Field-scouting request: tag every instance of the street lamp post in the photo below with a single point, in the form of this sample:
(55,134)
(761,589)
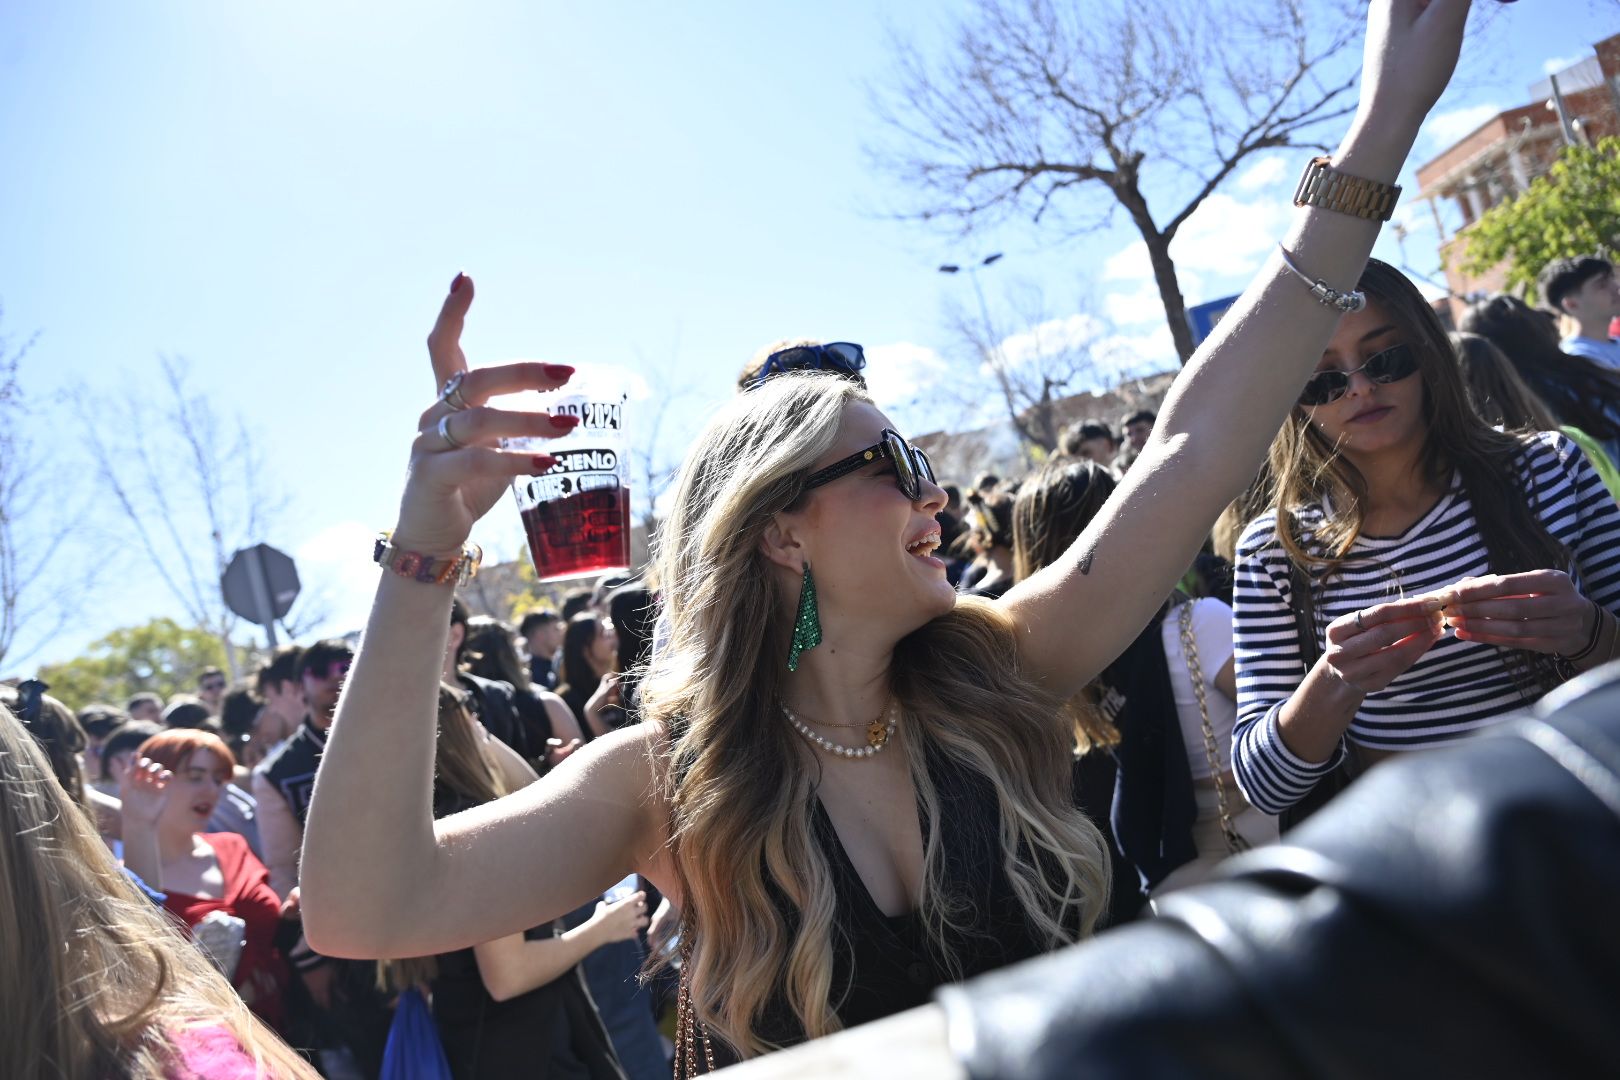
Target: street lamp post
(978,291)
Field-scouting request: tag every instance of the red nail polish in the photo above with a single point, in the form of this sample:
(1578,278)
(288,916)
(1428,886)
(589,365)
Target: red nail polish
(460,280)
(558,371)
(542,462)
(565,421)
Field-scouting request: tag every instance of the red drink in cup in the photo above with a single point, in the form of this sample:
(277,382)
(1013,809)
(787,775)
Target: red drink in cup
(577,514)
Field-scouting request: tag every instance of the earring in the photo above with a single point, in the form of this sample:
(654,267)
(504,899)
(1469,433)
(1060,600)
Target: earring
(807,627)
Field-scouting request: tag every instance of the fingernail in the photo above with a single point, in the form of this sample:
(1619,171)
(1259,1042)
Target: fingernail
(541,462)
(558,371)
(565,421)
(456,284)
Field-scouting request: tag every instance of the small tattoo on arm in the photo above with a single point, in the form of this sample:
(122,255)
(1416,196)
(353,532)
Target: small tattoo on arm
(1085,562)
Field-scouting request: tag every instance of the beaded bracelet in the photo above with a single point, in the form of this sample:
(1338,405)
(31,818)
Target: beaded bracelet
(459,570)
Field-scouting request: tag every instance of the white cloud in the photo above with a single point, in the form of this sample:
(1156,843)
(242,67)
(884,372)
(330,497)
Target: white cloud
(1444,129)
(1228,235)
(896,373)
(1128,263)
(1225,238)
(1559,63)
(1262,174)
(1050,338)
(1135,308)
(1138,354)
(906,381)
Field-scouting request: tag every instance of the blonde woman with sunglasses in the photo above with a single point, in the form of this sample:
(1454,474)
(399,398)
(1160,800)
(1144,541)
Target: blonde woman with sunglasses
(852,781)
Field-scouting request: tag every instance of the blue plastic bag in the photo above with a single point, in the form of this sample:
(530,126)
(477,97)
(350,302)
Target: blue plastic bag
(414,1051)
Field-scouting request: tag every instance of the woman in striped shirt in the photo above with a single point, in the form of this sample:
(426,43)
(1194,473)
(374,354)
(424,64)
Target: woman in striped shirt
(1419,575)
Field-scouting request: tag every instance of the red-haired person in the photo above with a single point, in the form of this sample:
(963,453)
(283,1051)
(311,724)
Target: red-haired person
(207,877)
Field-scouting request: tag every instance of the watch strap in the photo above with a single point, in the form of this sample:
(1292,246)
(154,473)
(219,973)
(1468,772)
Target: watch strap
(1323,185)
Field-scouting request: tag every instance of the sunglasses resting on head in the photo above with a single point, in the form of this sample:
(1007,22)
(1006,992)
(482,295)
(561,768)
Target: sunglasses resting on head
(838,357)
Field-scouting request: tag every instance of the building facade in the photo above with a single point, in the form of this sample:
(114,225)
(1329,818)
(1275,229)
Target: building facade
(1500,158)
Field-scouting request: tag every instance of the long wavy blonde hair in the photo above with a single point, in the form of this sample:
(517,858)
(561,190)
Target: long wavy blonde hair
(94,980)
(740,794)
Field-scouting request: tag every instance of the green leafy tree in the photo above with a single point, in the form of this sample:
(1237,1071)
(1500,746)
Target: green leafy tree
(1573,210)
(161,656)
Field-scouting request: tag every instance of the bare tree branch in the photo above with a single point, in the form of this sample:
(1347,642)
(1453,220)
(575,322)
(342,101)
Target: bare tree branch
(37,515)
(1037,102)
(191,492)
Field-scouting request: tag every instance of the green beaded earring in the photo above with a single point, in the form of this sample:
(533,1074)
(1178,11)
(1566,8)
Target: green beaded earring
(807,627)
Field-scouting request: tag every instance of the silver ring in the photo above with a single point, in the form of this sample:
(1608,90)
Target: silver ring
(451,394)
(444,433)
(1363,629)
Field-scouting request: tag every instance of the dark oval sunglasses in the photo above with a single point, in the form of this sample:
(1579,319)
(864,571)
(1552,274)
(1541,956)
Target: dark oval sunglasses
(1391,365)
(911,465)
(839,357)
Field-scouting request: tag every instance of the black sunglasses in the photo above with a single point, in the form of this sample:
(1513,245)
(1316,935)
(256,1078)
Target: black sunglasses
(839,357)
(1392,365)
(911,465)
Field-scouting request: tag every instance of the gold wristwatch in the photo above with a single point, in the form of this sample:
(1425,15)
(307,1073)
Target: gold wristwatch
(1327,187)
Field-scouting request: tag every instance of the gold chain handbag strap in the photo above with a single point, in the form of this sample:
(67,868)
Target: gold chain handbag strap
(1189,649)
(688,1032)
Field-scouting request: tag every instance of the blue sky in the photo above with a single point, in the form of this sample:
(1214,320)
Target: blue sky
(280,194)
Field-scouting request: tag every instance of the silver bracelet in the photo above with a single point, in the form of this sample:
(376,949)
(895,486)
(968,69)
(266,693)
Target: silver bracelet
(1342,302)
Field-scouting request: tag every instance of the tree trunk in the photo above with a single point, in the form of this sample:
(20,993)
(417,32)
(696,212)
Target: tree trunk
(1158,247)
(1175,306)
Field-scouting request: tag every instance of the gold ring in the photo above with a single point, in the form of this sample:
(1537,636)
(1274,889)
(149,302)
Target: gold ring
(444,433)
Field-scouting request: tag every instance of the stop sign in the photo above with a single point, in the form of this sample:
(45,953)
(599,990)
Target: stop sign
(260,584)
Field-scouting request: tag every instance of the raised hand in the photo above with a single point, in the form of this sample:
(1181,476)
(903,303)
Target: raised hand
(1540,611)
(1370,648)
(144,792)
(1410,53)
(457,471)
(621,920)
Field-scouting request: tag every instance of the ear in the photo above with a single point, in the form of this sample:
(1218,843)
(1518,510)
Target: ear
(780,544)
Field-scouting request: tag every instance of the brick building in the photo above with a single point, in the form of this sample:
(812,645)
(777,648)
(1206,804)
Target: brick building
(1500,158)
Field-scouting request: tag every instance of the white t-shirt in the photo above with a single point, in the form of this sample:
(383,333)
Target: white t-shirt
(1212,636)
(1605,352)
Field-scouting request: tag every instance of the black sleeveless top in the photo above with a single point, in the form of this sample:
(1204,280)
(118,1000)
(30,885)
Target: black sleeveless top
(884,965)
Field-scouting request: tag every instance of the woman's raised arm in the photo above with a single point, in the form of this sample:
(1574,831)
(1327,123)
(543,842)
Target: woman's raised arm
(1228,402)
(379,877)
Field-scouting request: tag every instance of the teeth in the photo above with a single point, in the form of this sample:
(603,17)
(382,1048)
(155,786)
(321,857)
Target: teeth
(925,546)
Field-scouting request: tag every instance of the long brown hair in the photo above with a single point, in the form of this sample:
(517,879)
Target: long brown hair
(1053,508)
(740,793)
(1495,389)
(1579,390)
(462,776)
(1308,471)
(94,981)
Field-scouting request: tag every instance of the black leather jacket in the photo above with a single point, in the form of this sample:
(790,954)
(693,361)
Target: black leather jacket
(1454,913)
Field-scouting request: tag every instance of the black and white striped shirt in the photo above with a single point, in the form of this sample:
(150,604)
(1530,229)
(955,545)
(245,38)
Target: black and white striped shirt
(1456,687)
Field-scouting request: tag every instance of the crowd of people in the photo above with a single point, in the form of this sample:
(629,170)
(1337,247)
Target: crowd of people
(856,733)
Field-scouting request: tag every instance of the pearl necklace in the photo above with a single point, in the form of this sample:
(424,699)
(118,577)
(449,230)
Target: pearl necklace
(878,735)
